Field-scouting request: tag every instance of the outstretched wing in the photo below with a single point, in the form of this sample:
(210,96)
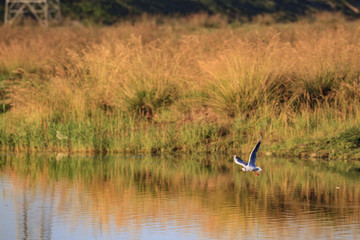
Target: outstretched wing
(238,160)
(252,158)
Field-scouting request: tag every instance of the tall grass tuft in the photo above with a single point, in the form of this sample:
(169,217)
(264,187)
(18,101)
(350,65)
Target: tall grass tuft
(179,85)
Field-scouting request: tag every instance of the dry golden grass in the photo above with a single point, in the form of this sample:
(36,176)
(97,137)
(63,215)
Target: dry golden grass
(287,80)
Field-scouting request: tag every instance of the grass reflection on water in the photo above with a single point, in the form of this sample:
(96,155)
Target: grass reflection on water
(290,198)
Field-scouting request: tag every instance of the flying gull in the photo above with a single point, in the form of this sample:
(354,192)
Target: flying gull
(250,167)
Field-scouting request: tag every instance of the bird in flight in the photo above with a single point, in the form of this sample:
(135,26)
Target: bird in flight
(250,166)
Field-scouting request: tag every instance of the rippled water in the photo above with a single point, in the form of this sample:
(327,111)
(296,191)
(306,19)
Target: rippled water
(191,197)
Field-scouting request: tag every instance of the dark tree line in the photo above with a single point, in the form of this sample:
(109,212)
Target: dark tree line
(111,11)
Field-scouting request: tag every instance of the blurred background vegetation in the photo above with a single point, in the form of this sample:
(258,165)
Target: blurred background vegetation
(111,11)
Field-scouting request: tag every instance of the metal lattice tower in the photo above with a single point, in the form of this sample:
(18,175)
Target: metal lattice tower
(54,10)
(42,10)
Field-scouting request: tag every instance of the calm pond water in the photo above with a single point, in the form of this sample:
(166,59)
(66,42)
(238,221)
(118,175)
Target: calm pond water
(191,197)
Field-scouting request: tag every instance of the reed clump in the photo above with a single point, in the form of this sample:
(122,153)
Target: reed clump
(179,85)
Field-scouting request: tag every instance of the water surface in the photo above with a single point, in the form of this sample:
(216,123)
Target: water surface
(188,197)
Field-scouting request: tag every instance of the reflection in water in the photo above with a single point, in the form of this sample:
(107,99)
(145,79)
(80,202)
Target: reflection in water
(33,215)
(202,198)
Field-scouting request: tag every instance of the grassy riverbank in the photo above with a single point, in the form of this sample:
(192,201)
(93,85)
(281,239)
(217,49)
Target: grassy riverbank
(195,84)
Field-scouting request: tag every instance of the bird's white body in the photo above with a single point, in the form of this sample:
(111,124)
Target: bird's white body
(250,166)
(60,136)
(251,169)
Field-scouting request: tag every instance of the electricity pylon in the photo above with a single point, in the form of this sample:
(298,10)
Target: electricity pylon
(42,10)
